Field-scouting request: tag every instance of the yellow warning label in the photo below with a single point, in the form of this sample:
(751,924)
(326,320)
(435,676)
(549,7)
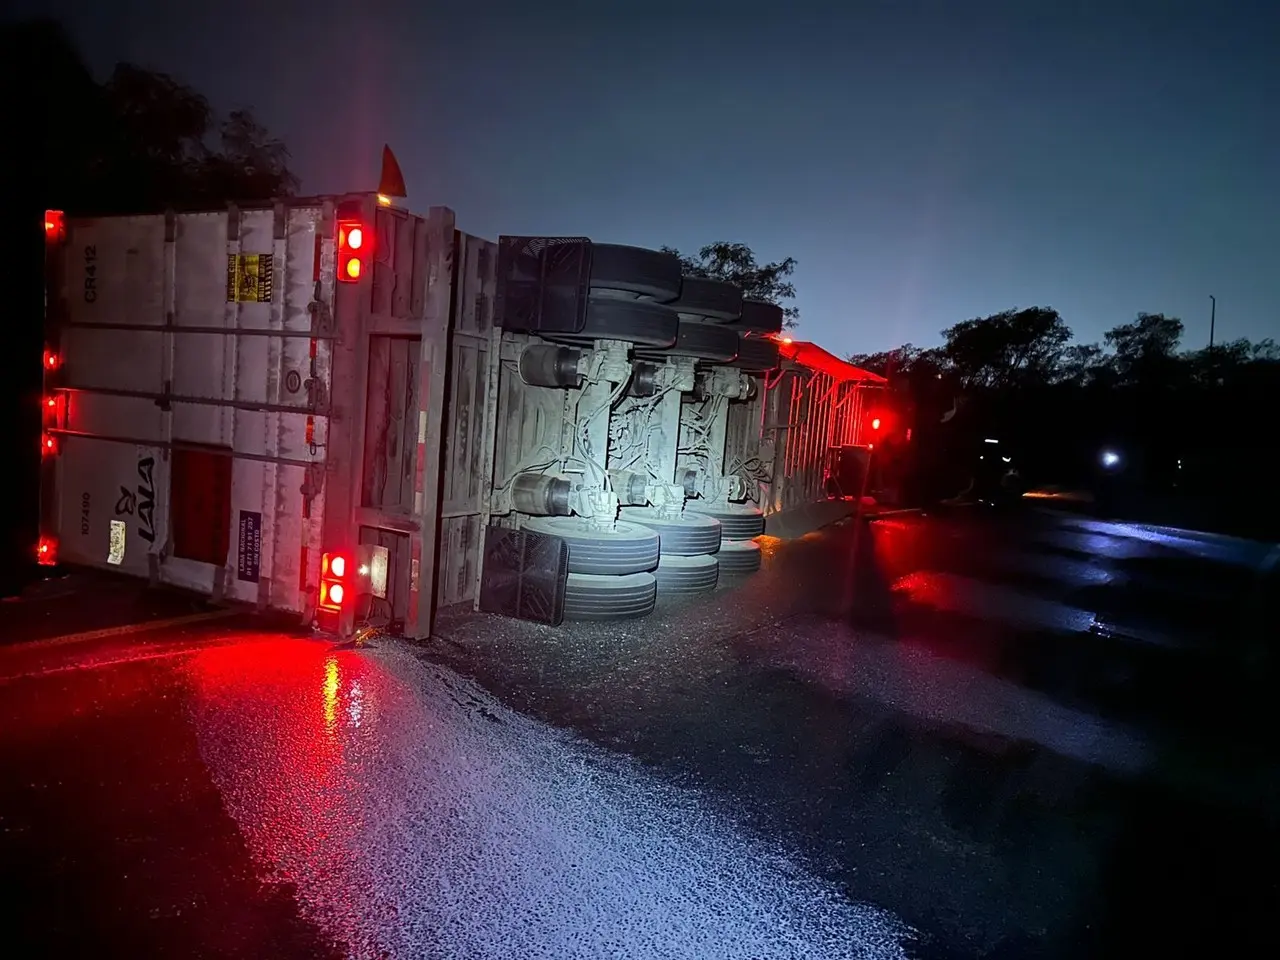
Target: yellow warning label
(249,278)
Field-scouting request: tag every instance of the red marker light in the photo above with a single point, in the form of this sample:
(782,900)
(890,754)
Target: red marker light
(350,240)
(333,567)
(51,360)
(875,424)
(47,552)
(49,445)
(55,226)
(53,409)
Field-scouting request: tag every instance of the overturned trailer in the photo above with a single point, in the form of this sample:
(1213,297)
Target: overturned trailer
(337,408)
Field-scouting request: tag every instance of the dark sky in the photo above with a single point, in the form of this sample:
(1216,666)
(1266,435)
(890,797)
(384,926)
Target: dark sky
(923,164)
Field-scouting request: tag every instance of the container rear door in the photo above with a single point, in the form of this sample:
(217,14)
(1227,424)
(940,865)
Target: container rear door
(191,397)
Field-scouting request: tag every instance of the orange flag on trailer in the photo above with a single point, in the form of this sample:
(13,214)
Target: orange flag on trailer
(391,183)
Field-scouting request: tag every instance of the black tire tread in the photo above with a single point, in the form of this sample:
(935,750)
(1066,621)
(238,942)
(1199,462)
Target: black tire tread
(757,355)
(637,321)
(591,597)
(741,523)
(633,549)
(691,535)
(706,341)
(738,557)
(637,270)
(713,299)
(680,576)
(758,316)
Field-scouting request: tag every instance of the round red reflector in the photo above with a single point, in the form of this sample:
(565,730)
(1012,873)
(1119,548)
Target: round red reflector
(336,593)
(355,237)
(353,268)
(338,567)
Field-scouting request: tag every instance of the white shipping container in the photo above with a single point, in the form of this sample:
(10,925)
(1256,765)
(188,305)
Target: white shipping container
(220,410)
(184,414)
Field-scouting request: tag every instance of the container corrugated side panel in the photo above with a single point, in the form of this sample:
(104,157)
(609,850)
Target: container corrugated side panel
(159,324)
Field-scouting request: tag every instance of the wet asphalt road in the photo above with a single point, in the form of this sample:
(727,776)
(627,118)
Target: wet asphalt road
(953,736)
(1024,734)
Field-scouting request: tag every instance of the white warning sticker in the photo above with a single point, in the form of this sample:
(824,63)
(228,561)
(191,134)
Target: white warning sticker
(115,551)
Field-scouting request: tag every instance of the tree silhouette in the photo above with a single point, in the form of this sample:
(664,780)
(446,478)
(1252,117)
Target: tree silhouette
(736,263)
(1191,423)
(139,142)
(1145,351)
(1009,347)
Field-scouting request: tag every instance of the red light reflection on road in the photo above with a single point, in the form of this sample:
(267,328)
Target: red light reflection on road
(329,690)
(898,543)
(280,729)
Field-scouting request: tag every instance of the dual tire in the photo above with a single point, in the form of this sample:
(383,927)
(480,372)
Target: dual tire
(739,553)
(688,565)
(639,295)
(610,572)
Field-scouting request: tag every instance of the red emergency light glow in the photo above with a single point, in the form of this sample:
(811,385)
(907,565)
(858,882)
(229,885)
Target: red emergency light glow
(47,552)
(350,240)
(875,424)
(49,445)
(51,360)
